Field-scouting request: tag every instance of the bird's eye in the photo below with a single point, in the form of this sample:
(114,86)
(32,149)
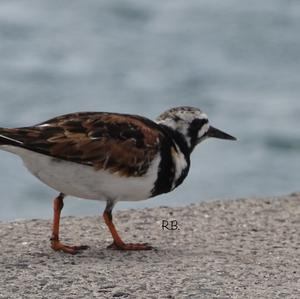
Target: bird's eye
(195,131)
(199,123)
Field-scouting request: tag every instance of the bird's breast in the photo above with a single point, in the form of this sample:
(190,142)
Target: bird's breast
(173,169)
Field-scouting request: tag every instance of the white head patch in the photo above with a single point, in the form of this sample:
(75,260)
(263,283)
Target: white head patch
(180,119)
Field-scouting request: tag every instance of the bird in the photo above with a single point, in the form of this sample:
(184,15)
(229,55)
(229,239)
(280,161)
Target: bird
(110,157)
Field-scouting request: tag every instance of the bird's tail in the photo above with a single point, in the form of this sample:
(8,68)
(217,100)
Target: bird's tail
(5,139)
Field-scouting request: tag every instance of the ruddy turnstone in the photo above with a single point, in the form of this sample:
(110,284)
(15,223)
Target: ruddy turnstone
(110,156)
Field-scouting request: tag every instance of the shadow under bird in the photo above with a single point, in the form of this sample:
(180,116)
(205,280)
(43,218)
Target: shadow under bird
(110,156)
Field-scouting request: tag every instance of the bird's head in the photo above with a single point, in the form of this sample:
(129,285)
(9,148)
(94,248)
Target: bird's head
(192,124)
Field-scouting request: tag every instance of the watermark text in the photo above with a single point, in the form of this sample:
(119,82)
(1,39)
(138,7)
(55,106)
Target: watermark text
(169,225)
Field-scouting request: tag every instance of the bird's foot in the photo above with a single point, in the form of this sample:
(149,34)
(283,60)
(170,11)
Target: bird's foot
(130,246)
(58,246)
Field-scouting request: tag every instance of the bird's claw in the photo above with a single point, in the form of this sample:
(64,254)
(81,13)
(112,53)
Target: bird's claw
(130,246)
(58,246)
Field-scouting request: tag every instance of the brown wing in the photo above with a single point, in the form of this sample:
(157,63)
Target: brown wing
(120,143)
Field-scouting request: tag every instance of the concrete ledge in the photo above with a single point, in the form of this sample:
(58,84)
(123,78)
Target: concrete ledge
(246,248)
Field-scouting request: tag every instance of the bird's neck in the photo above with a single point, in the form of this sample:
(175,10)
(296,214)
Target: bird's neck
(181,155)
(178,138)
(175,161)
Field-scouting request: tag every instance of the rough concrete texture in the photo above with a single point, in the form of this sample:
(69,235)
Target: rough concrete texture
(246,248)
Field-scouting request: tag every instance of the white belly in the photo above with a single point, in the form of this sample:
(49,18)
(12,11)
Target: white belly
(85,182)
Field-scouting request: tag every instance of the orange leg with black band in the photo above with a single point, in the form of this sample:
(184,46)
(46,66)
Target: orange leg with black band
(58,204)
(118,243)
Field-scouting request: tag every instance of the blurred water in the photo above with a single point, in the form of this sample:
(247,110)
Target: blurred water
(238,62)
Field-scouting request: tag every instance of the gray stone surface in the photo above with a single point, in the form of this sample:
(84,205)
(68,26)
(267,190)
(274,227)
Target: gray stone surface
(246,248)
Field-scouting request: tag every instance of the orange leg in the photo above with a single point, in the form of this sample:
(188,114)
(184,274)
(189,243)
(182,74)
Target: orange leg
(118,243)
(58,204)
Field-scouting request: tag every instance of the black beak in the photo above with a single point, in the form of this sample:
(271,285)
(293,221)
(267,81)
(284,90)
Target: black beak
(216,133)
